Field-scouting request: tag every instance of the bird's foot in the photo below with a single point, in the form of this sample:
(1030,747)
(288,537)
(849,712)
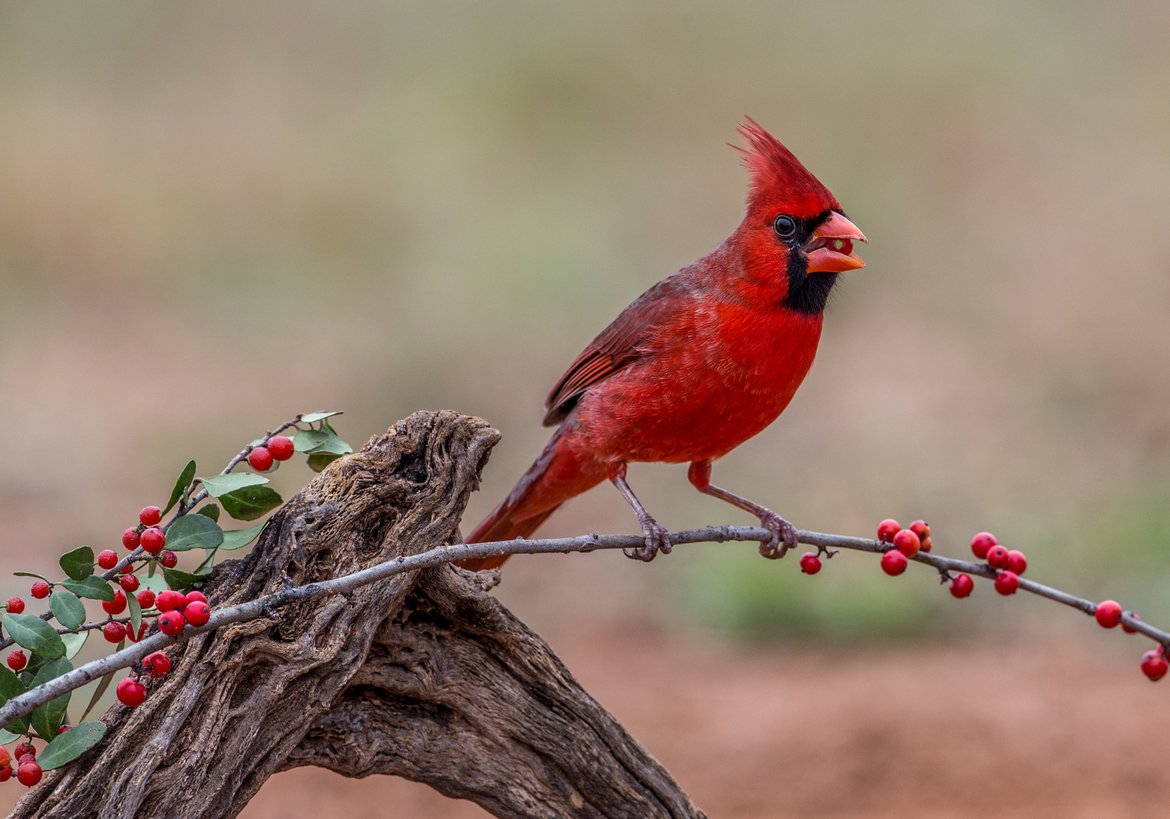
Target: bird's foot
(783,535)
(657,540)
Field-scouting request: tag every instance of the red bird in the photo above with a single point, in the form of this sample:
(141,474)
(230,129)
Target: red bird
(702,361)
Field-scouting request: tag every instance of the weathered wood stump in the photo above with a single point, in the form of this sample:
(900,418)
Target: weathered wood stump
(423,676)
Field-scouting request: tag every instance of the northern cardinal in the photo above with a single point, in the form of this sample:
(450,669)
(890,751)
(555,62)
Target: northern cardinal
(699,363)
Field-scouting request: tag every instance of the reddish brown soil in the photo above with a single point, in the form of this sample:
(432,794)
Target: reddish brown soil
(1019,730)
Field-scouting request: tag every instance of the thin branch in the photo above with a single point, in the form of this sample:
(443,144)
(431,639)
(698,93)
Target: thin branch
(261,607)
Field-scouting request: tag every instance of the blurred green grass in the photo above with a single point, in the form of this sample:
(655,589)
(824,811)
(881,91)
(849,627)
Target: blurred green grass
(214,217)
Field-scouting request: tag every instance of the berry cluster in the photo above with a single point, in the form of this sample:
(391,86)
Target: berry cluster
(279,448)
(904,544)
(1008,564)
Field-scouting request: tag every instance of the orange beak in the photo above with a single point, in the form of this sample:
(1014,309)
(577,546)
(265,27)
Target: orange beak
(831,248)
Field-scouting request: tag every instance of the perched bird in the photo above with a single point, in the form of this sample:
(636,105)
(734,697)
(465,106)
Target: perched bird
(699,363)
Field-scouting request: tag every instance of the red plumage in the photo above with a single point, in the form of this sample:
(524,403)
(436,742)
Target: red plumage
(699,363)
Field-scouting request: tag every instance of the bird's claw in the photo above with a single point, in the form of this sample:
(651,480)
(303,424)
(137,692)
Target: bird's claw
(657,540)
(783,535)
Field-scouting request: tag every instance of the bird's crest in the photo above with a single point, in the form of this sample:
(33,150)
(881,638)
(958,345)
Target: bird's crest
(778,178)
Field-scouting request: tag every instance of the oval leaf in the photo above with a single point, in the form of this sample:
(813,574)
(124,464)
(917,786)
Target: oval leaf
(34,634)
(70,745)
(193,532)
(135,613)
(220,485)
(181,485)
(314,417)
(74,643)
(67,608)
(319,460)
(78,564)
(92,587)
(209,510)
(306,440)
(240,538)
(47,718)
(178,579)
(11,686)
(250,502)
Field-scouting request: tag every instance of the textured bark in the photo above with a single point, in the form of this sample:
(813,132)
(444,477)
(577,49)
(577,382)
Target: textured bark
(422,676)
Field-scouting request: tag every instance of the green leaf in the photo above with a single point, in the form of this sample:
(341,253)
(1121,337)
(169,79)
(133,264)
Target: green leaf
(78,564)
(208,562)
(220,485)
(67,608)
(47,718)
(32,574)
(102,685)
(74,643)
(135,613)
(34,634)
(70,745)
(7,737)
(319,460)
(239,538)
(11,686)
(181,485)
(193,532)
(92,587)
(314,417)
(209,510)
(250,502)
(155,582)
(306,440)
(178,579)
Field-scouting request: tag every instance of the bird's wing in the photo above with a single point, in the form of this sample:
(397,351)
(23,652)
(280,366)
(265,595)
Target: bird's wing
(616,346)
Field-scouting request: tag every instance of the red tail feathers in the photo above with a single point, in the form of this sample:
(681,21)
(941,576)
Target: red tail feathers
(558,474)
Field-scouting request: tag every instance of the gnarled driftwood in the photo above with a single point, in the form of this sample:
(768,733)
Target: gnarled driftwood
(422,676)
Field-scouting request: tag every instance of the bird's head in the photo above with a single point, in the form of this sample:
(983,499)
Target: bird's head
(793,223)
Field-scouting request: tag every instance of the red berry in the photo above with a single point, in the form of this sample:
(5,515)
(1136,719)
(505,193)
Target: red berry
(107,558)
(29,773)
(5,773)
(64,727)
(981,543)
(145,598)
(1006,582)
(894,563)
(920,528)
(150,515)
(887,529)
(22,749)
(117,605)
(280,447)
(128,582)
(114,632)
(130,538)
(997,557)
(128,568)
(1016,561)
(1154,665)
(962,586)
(260,459)
(1126,627)
(171,623)
(153,540)
(169,560)
(927,544)
(170,600)
(156,663)
(5,758)
(907,542)
(41,590)
(17,660)
(131,692)
(193,595)
(197,613)
(15,605)
(1108,613)
(25,758)
(810,563)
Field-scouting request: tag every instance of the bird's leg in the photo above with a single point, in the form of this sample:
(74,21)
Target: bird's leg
(657,537)
(783,533)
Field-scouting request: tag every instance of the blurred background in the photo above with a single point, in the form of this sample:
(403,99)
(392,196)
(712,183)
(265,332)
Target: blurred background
(215,216)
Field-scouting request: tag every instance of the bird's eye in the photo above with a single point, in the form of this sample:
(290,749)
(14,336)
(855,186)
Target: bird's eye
(785,226)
